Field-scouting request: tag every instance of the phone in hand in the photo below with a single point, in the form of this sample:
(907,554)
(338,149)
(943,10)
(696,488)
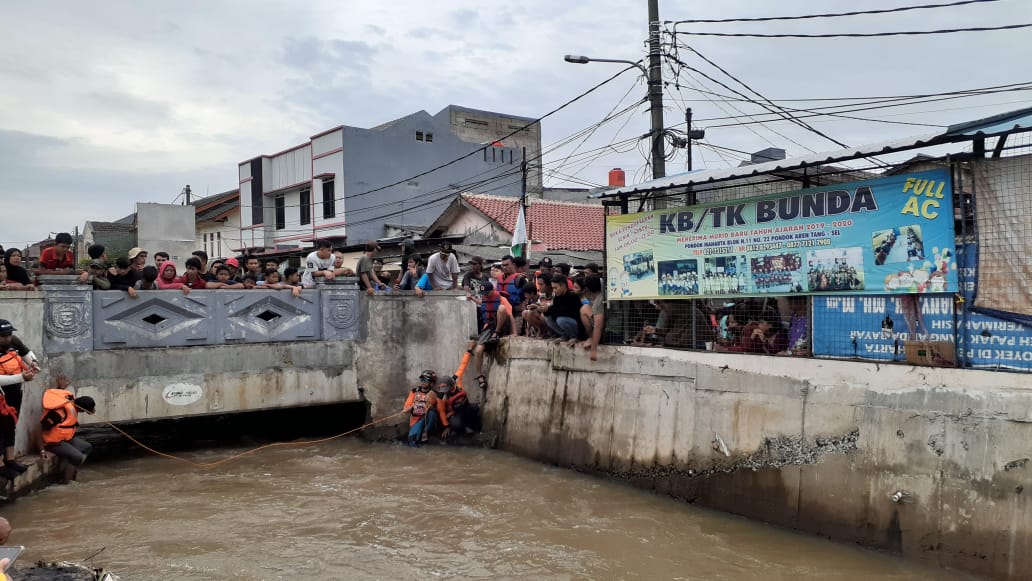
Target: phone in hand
(11,553)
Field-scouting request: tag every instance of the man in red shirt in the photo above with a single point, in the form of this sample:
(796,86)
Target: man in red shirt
(58,258)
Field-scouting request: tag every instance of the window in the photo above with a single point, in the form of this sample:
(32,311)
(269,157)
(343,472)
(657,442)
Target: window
(257,198)
(329,209)
(306,207)
(419,136)
(477,122)
(219,253)
(281,213)
(429,137)
(205,245)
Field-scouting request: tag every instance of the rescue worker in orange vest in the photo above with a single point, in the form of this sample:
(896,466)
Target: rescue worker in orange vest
(426,409)
(60,419)
(18,364)
(463,415)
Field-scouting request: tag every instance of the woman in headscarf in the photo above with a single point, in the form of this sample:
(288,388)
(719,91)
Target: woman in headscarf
(167,279)
(16,273)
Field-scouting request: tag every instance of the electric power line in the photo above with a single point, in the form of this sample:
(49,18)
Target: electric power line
(857,34)
(829,15)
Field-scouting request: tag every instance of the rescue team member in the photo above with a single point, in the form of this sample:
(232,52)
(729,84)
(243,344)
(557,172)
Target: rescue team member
(496,313)
(463,416)
(60,420)
(17,365)
(426,409)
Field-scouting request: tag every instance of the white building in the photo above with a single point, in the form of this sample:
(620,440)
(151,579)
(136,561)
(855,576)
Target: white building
(347,183)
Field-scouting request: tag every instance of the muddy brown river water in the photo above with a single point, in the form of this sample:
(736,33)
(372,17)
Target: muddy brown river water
(354,510)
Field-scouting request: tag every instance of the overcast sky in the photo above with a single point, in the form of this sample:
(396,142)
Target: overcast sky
(106,104)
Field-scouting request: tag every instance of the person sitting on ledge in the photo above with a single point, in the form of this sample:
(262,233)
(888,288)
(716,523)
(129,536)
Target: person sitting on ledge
(60,420)
(425,409)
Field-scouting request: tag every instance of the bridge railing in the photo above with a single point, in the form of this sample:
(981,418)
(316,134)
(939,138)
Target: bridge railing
(77,318)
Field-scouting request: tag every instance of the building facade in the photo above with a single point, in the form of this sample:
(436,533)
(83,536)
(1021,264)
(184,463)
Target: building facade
(345,184)
(218,224)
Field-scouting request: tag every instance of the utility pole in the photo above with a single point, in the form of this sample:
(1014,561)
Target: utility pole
(525,202)
(656,97)
(686,143)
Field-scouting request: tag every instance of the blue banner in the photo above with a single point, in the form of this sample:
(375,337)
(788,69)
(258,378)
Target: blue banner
(877,327)
(892,235)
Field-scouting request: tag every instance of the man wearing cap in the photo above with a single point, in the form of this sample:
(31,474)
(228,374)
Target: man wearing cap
(443,268)
(60,419)
(545,266)
(475,278)
(234,268)
(137,258)
(18,364)
(473,282)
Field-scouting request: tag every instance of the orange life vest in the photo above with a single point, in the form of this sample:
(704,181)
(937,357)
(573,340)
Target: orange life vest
(11,363)
(421,402)
(60,401)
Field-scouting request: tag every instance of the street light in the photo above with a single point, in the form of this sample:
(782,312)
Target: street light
(655,104)
(579,59)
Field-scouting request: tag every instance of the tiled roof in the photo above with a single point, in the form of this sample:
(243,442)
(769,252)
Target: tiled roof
(559,225)
(112,227)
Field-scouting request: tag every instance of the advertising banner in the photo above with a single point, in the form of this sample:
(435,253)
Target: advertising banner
(883,236)
(879,327)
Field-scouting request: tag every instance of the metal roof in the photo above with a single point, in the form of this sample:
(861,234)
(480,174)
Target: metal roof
(1014,121)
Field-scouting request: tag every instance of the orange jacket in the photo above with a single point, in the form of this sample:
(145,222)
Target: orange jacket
(421,403)
(60,401)
(11,363)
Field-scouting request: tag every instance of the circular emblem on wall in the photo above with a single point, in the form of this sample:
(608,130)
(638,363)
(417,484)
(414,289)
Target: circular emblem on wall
(66,320)
(343,313)
(181,393)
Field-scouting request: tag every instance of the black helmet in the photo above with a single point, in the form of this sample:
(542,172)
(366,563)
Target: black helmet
(428,376)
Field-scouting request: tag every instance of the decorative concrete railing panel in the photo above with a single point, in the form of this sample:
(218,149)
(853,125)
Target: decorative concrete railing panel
(78,319)
(155,319)
(261,316)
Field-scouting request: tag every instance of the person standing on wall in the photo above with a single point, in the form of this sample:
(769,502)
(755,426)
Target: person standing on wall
(18,364)
(59,422)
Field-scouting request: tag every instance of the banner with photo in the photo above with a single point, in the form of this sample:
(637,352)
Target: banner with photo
(877,327)
(882,236)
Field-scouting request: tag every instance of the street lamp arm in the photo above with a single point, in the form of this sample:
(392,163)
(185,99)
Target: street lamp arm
(583,60)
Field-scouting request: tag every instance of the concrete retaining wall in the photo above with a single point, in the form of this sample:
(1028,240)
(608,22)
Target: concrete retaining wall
(819,446)
(403,335)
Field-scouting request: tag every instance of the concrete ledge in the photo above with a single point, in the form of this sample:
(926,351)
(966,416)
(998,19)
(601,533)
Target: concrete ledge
(816,445)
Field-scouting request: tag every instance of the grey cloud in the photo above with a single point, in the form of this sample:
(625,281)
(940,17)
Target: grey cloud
(30,180)
(310,53)
(463,18)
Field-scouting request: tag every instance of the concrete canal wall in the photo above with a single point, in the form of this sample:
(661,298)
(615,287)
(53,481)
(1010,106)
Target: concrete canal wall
(242,363)
(931,463)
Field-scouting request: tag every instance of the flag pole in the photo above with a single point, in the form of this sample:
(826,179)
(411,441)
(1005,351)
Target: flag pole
(520,243)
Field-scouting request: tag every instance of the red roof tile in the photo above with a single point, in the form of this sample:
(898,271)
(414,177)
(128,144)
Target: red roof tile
(559,225)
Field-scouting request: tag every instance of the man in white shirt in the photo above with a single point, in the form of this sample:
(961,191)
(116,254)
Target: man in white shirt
(443,268)
(319,264)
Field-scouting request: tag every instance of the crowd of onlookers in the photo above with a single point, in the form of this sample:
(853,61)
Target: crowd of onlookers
(513,297)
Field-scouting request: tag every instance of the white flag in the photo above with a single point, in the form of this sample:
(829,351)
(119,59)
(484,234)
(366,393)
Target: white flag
(519,235)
